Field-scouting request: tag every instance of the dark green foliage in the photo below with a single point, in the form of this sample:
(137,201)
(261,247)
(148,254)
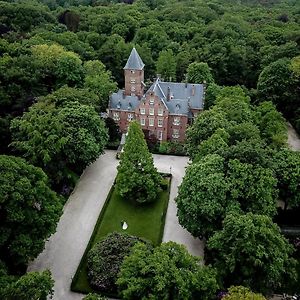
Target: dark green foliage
(105,260)
(137,177)
(165,272)
(65,139)
(242,293)
(199,73)
(31,286)
(286,164)
(29,210)
(251,251)
(202,199)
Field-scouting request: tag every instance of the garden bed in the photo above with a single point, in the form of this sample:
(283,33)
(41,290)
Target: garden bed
(144,220)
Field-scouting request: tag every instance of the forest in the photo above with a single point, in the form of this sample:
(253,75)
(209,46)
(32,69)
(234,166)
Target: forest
(61,59)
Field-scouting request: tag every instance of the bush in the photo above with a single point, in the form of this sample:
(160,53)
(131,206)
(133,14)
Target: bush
(92,296)
(105,260)
(164,184)
(175,148)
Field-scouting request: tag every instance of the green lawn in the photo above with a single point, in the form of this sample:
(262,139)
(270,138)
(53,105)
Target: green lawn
(144,220)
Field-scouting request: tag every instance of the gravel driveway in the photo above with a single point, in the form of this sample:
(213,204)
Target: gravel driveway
(65,248)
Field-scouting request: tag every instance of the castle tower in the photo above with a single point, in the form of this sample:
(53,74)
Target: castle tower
(134,75)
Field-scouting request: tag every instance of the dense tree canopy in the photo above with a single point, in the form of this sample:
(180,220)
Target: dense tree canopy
(137,177)
(251,251)
(165,272)
(29,210)
(65,139)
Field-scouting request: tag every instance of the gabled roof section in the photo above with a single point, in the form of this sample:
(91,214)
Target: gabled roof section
(120,101)
(182,96)
(134,61)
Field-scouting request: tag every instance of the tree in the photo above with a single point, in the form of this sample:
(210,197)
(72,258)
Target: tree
(105,260)
(202,200)
(287,171)
(277,83)
(253,186)
(166,65)
(199,72)
(271,124)
(63,141)
(65,95)
(165,272)
(242,293)
(137,177)
(99,81)
(29,210)
(31,286)
(251,251)
(203,127)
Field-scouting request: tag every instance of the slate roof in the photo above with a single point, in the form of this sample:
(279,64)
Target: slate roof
(118,101)
(134,61)
(182,99)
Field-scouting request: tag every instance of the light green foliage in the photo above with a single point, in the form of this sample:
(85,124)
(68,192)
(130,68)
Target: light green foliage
(60,140)
(31,286)
(287,171)
(58,66)
(137,177)
(199,73)
(30,210)
(272,125)
(202,199)
(242,293)
(251,251)
(166,65)
(99,81)
(165,272)
(253,187)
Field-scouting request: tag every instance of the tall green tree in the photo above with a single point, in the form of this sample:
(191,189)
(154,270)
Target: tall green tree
(202,200)
(29,210)
(166,65)
(165,272)
(99,81)
(63,141)
(199,72)
(286,164)
(251,251)
(137,177)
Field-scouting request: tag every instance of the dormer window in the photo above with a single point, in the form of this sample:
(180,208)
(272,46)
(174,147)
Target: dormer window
(119,105)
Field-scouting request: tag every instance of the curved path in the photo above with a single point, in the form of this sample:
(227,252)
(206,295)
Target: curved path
(65,248)
(293,138)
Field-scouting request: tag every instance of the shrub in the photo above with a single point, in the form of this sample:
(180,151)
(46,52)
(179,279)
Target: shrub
(92,296)
(105,260)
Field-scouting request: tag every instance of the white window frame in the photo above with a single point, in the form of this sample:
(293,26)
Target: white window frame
(160,112)
(132,80)
(175,134)
(130,117)
(143,121)
(151,111)
(143,111)
(132,88)
(151,100)
(116,116)
(151,121)
(160,122)
(160,135)
(176,121)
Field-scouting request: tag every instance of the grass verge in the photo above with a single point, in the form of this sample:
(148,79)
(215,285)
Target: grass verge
(144,220)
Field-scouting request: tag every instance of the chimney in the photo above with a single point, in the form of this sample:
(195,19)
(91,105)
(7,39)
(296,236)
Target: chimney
(193,90)
(186,80)
(123,94)
(168,94)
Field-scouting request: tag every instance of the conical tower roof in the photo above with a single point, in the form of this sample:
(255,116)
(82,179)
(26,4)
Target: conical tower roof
(134,61)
